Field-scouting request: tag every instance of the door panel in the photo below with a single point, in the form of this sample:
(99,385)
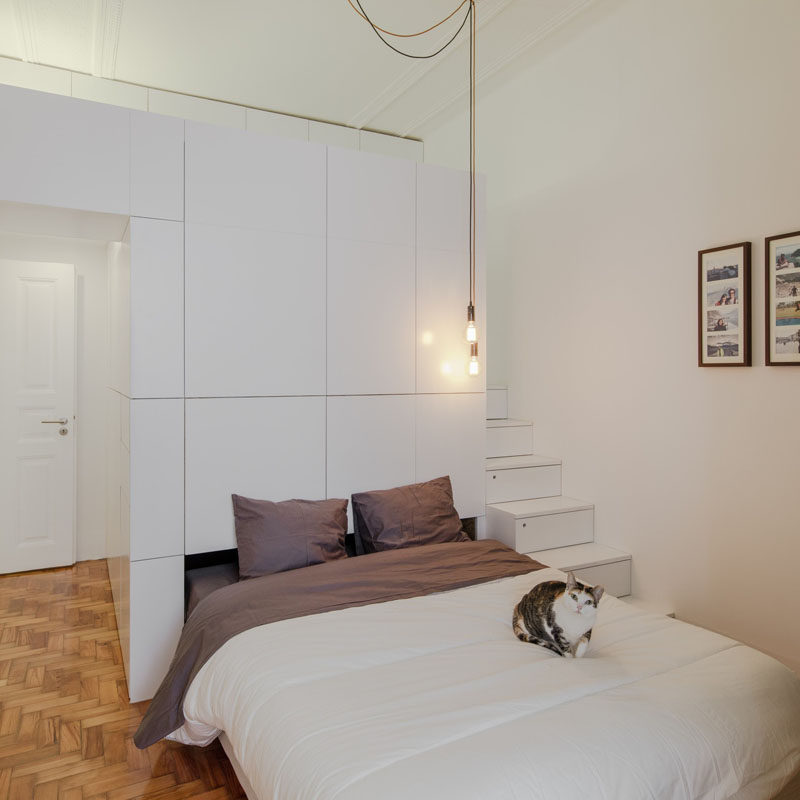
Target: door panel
(37,389)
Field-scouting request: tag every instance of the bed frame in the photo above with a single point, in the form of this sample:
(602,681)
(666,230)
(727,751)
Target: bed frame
(789,792)
(237,767)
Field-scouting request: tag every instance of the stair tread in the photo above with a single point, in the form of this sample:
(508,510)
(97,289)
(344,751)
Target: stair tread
(579,556)
(541,506)
(508,422)
(517,462)
(651,607)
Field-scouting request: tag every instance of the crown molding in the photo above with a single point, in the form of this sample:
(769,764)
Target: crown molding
(406,80)
(26,30)
(526,43)
(107,18)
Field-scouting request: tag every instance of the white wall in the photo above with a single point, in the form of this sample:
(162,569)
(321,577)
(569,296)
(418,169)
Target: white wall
(625,143)
(89,259)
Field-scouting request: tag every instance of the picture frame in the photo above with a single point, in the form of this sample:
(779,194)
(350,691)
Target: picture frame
(724,327)
(782,297)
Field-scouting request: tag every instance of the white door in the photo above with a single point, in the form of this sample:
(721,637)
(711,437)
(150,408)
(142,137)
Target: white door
(37,407)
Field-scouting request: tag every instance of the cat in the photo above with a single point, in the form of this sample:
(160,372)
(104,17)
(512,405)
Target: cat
(559,616)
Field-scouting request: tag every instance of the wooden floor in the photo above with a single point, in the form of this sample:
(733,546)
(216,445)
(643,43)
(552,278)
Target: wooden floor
(66,725)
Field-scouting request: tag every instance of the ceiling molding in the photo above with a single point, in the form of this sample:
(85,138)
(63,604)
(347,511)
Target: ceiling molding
(26,30)
(526,43)
(398,87)
(107,18)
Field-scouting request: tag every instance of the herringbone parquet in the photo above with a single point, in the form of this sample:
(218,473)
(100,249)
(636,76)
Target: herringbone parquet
(66,725)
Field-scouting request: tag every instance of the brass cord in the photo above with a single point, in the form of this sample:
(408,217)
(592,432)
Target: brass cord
(377,31)
(472,217)
(409,35)
(472,17)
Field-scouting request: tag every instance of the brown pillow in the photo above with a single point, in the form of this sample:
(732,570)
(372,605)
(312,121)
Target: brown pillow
(422,513)
(274,537)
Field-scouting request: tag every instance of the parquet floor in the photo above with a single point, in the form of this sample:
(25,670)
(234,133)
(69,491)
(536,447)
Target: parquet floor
(66,724)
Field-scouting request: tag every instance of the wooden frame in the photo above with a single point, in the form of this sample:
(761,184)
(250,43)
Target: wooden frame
(782,299)
(724,326)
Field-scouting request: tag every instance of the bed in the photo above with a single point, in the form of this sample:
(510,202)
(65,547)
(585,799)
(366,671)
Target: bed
(416,687)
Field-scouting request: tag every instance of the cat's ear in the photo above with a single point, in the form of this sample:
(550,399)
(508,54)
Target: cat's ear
(597,593)
(572,583)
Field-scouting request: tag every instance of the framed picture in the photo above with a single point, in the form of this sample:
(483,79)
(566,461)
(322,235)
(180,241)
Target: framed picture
(724,306)
(782,269)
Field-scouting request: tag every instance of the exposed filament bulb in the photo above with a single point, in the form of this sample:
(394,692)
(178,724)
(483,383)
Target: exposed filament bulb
(474,367)
(472,331)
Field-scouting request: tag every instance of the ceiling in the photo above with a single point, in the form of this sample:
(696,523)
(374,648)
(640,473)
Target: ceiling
(311,58)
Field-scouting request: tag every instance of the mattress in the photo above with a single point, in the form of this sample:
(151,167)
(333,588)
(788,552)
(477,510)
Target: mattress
(433,696)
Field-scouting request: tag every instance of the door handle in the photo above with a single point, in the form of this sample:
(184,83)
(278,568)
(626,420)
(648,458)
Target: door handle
(55,421)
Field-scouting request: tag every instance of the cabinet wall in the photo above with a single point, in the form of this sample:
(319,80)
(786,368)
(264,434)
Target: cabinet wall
(286,320)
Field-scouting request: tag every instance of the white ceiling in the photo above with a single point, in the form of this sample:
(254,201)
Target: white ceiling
(312,58)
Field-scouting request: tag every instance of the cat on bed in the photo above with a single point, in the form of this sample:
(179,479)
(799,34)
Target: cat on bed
(558,616)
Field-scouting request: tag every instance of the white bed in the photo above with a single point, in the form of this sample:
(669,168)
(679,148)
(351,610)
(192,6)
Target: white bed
(433,697)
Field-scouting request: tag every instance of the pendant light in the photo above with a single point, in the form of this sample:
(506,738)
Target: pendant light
(471,332)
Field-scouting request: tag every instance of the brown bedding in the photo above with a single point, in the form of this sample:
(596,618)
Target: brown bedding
(200,582)
(373,578)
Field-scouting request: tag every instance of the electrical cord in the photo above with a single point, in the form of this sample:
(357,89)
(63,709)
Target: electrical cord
(414,55)
(408,35)
(470,15)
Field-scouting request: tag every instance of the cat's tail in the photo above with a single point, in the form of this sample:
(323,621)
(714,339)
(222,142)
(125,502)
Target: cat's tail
(518,626)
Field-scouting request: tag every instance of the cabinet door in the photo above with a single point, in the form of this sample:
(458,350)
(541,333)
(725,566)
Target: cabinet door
(269,448)
(156,308)
(443,281)
(156,620)
(156,453)
(450,440)
(156,166)
(255,313)
(442,349)
(370,318)
(442,208)
(250,180)
(59,151)
(119,314)
(370,197)
(370,444)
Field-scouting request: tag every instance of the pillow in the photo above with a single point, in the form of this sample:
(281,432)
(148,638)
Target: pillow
(274,537)
(422,513)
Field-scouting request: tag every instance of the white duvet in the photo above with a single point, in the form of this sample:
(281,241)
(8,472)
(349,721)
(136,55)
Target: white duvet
(433,697)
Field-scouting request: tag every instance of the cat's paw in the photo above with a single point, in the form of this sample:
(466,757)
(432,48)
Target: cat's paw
(568,655)
(582,647)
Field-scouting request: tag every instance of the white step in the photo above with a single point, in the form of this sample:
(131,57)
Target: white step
(521,478)
(592,563)
(496,402)
(541,524)
(516,462)
(662,609)
(580,556)
(509,437)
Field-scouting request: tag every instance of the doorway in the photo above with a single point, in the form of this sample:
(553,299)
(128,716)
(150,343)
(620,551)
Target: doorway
(37,415)
(53,384)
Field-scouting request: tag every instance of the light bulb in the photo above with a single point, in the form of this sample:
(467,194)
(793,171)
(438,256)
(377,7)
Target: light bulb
(473,359)
(471,332)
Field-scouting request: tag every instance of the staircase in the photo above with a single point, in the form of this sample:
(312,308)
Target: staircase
(526,510)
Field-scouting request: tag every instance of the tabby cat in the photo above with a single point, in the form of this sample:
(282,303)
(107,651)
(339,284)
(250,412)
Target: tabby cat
(558,616)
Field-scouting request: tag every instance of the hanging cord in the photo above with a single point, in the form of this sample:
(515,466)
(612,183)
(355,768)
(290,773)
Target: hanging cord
(472,218)
(414,55)
(407,35)
(471,16)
